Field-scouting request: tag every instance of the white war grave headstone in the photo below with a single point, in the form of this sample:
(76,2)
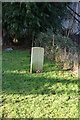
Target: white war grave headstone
(37,59)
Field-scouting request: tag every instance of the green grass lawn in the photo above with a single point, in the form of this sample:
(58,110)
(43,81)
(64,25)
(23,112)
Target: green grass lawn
(51,94)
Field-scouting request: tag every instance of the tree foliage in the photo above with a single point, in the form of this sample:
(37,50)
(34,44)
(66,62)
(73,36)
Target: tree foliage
(31,18)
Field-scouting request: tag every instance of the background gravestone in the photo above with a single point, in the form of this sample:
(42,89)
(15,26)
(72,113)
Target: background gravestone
(37,58)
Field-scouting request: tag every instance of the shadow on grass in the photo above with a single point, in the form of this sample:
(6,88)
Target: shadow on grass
(50,66)
(19,83)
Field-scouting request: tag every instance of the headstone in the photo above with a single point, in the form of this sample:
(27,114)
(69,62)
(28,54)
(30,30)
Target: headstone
(37,58)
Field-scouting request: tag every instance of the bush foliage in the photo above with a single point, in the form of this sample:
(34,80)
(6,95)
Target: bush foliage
(59,41)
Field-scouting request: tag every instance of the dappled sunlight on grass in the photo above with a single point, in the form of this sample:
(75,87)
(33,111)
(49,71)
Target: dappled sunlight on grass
(15,72)
(52,93)
(43,105)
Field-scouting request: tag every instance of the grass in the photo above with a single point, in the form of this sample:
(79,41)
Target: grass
(51,94)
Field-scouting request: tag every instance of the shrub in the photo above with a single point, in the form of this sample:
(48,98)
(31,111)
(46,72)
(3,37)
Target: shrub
(63,48)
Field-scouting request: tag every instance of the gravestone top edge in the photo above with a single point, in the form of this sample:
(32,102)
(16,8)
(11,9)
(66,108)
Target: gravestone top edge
(37,47)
